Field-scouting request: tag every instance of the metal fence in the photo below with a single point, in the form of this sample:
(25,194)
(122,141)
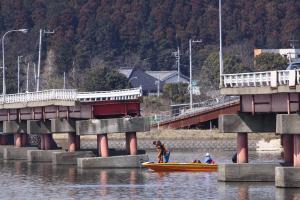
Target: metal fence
(185,110)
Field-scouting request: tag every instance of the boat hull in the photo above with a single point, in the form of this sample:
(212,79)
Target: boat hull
(183,167)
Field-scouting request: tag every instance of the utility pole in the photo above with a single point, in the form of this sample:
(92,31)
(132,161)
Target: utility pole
(39,61)
(220,34)
(27,77)
(177,56)
(19,59)
(191,88)
(34,73)
(64,80)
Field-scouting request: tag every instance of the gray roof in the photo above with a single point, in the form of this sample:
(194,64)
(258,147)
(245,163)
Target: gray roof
(126,71)
(161,75)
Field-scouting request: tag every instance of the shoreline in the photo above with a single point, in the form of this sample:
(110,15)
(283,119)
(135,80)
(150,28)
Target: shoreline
(181,134)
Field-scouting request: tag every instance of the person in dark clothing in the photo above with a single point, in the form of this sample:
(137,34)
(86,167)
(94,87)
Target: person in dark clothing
(162,152)
(234,158)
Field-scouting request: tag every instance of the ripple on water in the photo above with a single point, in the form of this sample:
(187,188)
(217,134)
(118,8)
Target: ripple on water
(21,180)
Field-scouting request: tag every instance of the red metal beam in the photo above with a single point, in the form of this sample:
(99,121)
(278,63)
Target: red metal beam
(201,117)
(116,108)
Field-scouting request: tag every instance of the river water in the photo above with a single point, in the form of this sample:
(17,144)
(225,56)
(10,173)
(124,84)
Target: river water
(22,180)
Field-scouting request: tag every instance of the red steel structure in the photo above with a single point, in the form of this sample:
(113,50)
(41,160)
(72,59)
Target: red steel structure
(200,117)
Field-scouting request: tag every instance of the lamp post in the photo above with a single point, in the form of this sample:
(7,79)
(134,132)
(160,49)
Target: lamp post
(19,58)
(39,61)
(220,35)
(191,91)
(3,61)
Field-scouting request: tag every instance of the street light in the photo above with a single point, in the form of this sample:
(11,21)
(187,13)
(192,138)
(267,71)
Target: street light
(3,62)
(39,61)
(220,35)
(191,91)
(19,58)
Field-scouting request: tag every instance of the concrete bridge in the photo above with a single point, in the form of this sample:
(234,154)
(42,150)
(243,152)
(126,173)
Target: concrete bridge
(68,111)
(269,102)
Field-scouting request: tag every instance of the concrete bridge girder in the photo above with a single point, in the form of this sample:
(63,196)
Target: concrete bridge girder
(247,123)
(115,125)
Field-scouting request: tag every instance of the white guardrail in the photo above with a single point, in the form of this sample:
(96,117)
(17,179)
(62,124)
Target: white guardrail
(127,94)
(71,95)
(260,79)
(185,111)
(45,95)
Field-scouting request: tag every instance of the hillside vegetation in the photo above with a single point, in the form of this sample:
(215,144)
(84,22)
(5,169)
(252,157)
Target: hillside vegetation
(104,35)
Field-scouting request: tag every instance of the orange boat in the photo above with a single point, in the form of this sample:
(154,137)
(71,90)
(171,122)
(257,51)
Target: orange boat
(183,167)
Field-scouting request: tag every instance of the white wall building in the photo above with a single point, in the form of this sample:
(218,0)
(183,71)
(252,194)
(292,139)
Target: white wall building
(293,55)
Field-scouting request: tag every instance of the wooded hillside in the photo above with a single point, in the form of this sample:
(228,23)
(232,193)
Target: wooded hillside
(143,33)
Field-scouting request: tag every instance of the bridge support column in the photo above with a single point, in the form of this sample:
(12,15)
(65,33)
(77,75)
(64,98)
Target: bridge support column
(72,142)
(48,141)
(288,148)
(42,145)
(18,139)
(242,148)
(296,150)
(24,139)
(102,142)
(131,143)
(77,142)
(3,140)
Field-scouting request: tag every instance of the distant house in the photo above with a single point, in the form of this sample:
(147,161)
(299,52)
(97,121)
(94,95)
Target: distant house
(151,80)
(293,55)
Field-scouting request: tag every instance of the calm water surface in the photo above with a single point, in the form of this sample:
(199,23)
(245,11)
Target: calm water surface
(21,180)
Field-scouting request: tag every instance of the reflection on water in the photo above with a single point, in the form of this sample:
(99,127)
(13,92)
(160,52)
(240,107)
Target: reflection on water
(22,180)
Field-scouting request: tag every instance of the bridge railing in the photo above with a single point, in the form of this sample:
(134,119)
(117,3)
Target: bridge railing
(45,95)
(260,79)
(71,95)
(197,107)
(127,94)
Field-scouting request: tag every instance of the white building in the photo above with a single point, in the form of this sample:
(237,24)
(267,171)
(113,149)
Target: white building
(293,55)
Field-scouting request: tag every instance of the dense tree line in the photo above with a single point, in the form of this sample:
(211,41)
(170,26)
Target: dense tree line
(143,33)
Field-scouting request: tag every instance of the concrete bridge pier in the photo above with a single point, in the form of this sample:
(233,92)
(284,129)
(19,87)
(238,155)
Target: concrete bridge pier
(18,139)
(72,142)
(102,142)
(131,143)
(102,127)
(244,124)
(288,148)
(296,150)
(242,148)
(3,139)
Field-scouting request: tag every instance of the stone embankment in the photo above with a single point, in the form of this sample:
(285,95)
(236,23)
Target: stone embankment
(176,139)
